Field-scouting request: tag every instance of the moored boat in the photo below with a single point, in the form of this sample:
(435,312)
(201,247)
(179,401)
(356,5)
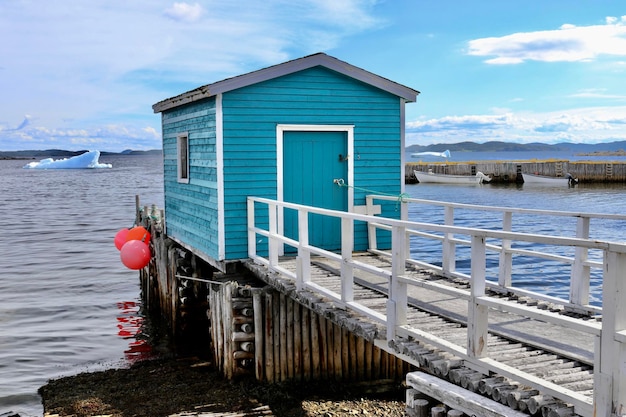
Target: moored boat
(431,177)
(532,179)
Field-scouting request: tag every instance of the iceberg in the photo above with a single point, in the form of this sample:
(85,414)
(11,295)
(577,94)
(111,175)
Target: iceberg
(82,161)
(444,154)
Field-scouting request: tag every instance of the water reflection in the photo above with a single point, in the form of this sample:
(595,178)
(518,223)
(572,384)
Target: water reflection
(130,324)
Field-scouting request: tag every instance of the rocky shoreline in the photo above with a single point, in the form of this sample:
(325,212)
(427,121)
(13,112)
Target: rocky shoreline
(193,387)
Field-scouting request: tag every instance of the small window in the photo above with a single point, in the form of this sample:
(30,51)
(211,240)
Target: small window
(183,158)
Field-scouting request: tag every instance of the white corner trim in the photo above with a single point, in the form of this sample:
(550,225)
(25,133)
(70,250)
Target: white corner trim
(404,211)
(219,151)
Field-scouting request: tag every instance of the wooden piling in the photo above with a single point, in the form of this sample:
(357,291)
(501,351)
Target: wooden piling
(438,412)
(287,341)
(421,408)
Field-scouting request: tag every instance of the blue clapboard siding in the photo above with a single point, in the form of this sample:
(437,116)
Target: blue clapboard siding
(191,210)
(313,96)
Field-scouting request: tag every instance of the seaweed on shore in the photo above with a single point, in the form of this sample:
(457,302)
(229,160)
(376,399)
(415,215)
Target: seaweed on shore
(162,387)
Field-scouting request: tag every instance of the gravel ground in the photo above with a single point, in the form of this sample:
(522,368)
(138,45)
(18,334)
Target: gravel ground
(164,387)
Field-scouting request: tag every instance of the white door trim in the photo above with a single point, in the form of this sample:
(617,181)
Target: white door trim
(282,128)
(280,131)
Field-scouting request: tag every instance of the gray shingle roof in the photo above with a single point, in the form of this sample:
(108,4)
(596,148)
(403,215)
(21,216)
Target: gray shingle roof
(289,67)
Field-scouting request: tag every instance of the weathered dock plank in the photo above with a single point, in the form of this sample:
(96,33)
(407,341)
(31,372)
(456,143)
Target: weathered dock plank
(458,398)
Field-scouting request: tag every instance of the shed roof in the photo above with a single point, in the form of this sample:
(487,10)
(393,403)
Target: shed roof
(289,67)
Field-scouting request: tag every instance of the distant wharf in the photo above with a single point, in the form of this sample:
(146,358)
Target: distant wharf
(475,345)
(511,171)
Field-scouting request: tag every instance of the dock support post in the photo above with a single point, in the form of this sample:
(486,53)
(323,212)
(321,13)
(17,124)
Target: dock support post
(257,308)
(137,210)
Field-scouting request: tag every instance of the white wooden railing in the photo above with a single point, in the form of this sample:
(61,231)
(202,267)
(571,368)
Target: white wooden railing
(610,348)
(580,265)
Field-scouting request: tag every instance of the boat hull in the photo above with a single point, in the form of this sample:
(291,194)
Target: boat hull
(429,177)
(531,179)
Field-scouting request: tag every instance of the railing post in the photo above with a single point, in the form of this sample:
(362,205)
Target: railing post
(347,270)
(404,209)
(579,279)
(371,229)
(273,244)
(448,263)
(477,315)
(303,261)
(397,302)
(404,213)
(506,258)
(610,364)
(251,234)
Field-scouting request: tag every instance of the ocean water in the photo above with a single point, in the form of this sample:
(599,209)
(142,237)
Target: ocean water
(68,305)
(547,277)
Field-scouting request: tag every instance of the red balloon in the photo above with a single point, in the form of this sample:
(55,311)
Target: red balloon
(135,254)
(120,238)
(138,233)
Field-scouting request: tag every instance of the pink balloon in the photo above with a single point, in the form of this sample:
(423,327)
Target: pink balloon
(135,254)
(120,238)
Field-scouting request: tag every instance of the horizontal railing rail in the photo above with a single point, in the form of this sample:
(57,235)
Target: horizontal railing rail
(265,220)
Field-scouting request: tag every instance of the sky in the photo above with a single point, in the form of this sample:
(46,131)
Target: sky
(84,74)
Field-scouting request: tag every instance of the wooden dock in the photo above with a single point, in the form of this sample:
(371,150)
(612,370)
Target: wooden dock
(481,347)
(503,172)
(540,349)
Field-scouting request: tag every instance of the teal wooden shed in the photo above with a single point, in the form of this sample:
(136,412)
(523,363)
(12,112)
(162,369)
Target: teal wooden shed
(285,132)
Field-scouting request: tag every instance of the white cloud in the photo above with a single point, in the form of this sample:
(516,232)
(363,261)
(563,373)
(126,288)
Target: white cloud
(350,14)
(600,93)
(185,12)
(588,125)
(88,65)
(105,138)
(88,72)
(569,43)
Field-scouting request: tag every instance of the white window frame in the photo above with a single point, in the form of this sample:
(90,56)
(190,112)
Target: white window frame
(182,157)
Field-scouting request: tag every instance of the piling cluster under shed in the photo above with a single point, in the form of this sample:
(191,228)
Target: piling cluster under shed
(251,327)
